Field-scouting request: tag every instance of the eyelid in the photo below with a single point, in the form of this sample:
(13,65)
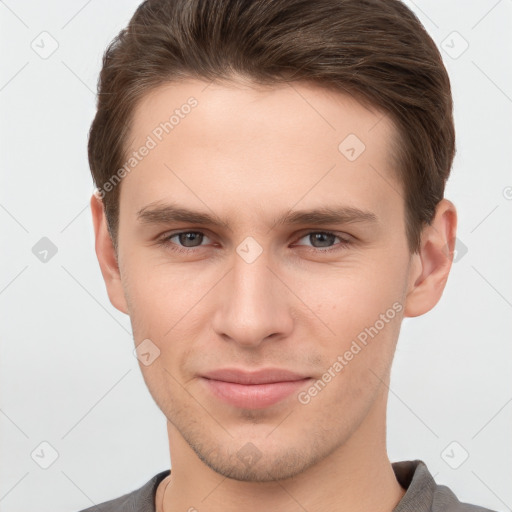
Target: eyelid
(345,240)
(165,238)
(344,237)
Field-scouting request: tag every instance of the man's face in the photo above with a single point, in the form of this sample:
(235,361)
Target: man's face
(253,293)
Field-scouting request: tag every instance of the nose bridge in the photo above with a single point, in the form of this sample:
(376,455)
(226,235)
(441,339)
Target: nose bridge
(252,282)
(254,307)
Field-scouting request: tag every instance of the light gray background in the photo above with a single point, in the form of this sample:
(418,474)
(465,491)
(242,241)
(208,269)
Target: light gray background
(68,375)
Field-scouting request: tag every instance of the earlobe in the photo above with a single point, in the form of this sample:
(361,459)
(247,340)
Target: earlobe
(106,255)
(429,269)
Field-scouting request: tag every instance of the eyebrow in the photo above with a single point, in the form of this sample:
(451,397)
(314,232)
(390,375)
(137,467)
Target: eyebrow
(168,213)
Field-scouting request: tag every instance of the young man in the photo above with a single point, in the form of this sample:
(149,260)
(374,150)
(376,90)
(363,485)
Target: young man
(270,206)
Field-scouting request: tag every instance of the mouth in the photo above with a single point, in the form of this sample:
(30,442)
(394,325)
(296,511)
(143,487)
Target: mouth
(253,390)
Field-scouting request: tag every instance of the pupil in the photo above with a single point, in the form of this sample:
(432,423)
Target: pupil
(189,237)
(323,238)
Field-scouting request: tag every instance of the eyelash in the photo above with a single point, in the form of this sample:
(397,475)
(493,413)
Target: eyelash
(166,242)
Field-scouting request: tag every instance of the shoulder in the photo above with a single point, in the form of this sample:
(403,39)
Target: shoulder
(445,500)
(140,500)
(424,494)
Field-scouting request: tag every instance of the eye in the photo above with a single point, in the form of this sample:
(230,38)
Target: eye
(185,240)
(323,240)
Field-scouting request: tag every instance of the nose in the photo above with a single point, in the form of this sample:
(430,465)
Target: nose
(253,304)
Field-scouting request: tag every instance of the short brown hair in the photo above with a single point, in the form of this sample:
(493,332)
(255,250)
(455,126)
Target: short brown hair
(375,50)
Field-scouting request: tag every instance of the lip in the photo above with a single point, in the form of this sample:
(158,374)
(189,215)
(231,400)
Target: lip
(253,390)
(263,376)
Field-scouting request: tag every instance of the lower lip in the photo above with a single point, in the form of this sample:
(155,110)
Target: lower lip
(253,396)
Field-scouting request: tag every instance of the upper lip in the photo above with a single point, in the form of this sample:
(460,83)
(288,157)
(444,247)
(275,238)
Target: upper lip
(264,376)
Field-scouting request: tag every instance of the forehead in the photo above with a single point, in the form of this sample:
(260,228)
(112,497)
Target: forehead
(273,142)
(277,110)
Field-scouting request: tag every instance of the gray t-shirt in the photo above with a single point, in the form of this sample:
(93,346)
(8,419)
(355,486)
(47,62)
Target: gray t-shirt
(422,494)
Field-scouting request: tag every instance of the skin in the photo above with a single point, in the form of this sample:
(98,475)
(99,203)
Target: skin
(249,154)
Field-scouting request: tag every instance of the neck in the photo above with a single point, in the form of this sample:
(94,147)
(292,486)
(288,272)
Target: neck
(357,475)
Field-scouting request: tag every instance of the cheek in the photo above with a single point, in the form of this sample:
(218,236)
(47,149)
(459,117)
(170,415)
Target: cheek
(363,309)
(167,300)
(350,299)
(160,296)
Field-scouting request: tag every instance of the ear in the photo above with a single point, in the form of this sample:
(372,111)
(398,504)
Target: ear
(429,268)
(107,256)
